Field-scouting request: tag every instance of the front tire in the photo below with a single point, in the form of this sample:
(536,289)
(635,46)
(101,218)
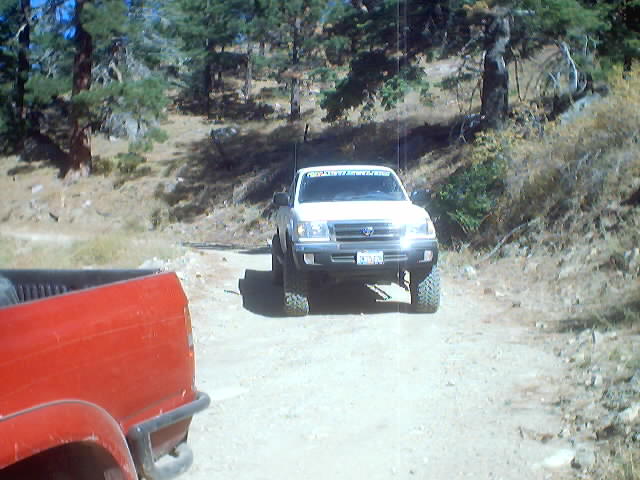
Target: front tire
(296,289)
(425,290)
(276,264)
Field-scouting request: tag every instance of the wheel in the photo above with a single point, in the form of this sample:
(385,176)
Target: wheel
(425,290)
(296,289)
(276,265)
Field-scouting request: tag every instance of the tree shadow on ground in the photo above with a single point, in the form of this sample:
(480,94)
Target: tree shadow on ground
(262,297)
(230,246)
(227,106)
(40,151)
(248,167)
(627,314)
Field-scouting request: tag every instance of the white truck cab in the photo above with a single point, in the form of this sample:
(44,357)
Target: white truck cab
(352,221)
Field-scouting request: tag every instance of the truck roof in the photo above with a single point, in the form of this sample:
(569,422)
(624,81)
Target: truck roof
(343,167)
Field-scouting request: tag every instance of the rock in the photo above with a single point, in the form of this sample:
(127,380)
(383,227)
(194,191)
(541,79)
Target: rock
(469,272)
(596,380)
(584,459)
(169,187)
(125,125)
(605,432)
(564,433)
(224,133)
(629,415)
(567,271)
(510,250)
(578,358)
(560,459)
(634,383)
(153,264)
(632,260)
(585,337)
(579,107)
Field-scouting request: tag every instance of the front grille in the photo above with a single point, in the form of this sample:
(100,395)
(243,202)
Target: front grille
(343,258)
(366,231)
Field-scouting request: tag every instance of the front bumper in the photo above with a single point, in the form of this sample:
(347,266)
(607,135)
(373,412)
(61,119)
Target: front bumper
(341,257)
(139,438)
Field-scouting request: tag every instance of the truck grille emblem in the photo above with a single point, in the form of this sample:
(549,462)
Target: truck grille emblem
(367,231)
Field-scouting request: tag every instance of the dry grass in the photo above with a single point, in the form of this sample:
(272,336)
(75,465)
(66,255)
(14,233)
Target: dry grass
(578,169)
(115,250)
(626,466)
(8,247)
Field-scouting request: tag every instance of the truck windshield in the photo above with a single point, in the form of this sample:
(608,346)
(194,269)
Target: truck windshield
(349,185)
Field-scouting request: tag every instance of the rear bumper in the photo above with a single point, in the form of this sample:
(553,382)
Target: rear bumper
(341,257)
(139,438)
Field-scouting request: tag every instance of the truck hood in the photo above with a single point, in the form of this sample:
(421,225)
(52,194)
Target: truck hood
(401,212)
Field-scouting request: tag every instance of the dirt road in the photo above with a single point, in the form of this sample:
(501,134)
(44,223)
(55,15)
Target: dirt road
(362,389)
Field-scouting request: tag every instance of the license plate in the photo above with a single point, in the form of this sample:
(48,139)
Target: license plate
(369,258)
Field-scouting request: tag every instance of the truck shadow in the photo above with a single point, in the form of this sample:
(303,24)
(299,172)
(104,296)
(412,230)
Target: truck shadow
(259,294)
(262,297)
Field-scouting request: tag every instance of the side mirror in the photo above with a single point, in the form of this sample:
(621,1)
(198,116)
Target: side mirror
(420,197)
(281,199)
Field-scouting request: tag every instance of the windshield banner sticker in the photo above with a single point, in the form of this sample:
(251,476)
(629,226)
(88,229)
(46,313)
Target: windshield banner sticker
(344,173)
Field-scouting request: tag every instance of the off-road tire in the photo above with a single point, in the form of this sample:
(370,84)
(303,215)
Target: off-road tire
(425,290)
(276,265)
(296,289)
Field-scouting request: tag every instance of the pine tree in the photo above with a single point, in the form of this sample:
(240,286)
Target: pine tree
(10,24)
(299,28)
(388,36)
(206,28)
(620,39)
(125,88)
(80,143)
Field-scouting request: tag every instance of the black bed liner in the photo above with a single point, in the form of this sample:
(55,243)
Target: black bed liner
(36,284)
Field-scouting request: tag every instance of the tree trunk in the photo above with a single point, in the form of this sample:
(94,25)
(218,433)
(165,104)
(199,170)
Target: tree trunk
(261,48)
(295,81)
(295,99)
(495,77)
(80,148)
(207,86)
(246,90)
(218,85)
(24,41)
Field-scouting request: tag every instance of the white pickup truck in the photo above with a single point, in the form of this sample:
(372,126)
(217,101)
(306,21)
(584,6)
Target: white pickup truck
(353,222)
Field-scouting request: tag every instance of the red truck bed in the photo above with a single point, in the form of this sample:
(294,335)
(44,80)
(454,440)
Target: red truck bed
(99,364)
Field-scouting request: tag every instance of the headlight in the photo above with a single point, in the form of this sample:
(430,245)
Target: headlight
(318,231)
(422,229)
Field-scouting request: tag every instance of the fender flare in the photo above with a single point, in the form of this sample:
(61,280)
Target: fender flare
(40,428)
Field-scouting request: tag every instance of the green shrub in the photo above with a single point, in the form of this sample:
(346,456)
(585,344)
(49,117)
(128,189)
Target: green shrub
(129,162)
(101,166)
(472,191)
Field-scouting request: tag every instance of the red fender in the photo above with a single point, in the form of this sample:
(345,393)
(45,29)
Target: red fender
(50,425)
